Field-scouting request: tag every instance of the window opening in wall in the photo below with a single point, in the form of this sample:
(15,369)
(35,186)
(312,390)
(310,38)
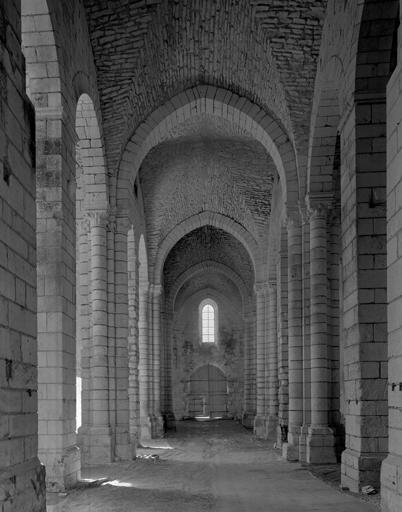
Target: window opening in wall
(208,321)
(6,171)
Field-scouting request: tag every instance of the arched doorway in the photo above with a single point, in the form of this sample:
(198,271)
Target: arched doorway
(208,393)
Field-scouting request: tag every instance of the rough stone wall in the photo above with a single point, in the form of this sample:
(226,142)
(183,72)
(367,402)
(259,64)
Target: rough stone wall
(189,354)
(22,478)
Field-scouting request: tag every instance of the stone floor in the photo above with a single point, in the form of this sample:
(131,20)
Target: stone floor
(211,466)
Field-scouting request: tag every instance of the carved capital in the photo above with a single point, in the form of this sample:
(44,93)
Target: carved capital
(83,225)
(272,284)
(260,287)
(122,224)
(293,216)
(157,290)
(319,204)
(97,218)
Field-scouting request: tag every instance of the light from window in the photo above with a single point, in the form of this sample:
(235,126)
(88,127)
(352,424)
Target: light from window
(208,324)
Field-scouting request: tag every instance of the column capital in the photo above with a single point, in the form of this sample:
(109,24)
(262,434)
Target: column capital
(156,290)
(97,218)
(83,224)
(272,283)
(318,204)
(293,215)
(122,224)
(260,287)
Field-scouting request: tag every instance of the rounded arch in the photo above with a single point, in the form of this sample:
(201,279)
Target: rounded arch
(43,72)
(91,176)
(143,263)
(218,102)
(275,234)
(214,219)
(324,137)
(216,366)
(374,78)
(206,266)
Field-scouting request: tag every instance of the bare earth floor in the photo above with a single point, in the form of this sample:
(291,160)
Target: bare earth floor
(212,466)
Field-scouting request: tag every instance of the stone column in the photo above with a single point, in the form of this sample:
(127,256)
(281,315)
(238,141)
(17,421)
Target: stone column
(157,425)
(56,299)
(99,440)
(320,438)
(391,469)
(272,362)
(143,368)
(133,349)
(248,410)
(365,263)
(305,334)
(282,335)
(290,450)
(119,384)
(260,420)
(83,328)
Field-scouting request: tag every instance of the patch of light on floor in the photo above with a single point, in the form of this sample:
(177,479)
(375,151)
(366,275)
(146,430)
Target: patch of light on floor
(208,418)
(117,483)
(157,447)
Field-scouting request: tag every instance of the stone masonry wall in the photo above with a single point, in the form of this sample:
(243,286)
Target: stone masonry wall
(391,471)
(22,478)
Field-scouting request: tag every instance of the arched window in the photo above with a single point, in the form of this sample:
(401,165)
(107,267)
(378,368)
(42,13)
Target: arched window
(208,321)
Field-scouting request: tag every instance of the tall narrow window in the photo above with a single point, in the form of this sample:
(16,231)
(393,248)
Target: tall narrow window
(208,319)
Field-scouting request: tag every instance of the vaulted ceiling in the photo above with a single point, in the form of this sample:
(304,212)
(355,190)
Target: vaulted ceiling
(148,51)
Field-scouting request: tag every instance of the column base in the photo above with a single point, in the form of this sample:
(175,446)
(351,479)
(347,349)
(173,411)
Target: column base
(271,427)
(358,470)
(134,441)
(281,435)
(303,443)
(145,429)
(391,484)
(98,446)
(247,419)
(320,445)
(156,426)
(23,484)
(169,422)
(260,427)
(63,468)
(125,449)
(290,449)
